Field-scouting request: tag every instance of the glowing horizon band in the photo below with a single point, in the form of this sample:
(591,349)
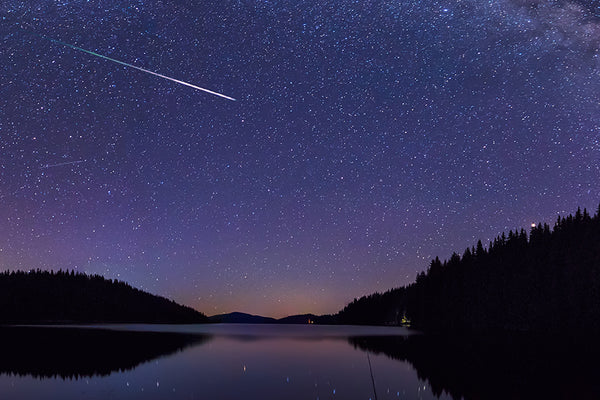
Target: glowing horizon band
(140,69)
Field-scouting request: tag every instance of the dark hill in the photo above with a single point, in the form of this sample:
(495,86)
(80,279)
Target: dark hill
(298,319)
(546,282)
(241,318)
(68,297)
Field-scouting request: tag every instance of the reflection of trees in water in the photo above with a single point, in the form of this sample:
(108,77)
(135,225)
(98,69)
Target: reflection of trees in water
(496,368)
(75,353)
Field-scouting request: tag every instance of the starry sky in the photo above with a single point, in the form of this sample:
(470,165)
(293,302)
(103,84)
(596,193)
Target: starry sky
(367,138)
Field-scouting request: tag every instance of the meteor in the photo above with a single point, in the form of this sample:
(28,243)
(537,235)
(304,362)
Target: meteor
(61,164)
(138,68)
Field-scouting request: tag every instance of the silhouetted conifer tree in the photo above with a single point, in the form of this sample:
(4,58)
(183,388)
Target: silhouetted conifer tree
(549,281)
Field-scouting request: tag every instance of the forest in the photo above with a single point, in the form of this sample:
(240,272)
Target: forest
(74,297)
(547,281)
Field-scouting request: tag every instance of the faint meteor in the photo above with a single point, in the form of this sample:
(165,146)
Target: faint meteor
(138,68)
(61,164)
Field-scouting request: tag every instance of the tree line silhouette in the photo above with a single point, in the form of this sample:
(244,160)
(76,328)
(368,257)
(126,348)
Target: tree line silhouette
(548,281)
(63,296)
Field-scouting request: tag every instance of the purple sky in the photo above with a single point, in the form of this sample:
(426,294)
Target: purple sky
(367,138)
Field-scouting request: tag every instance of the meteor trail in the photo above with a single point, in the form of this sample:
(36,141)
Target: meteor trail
(61,164)
(138,68)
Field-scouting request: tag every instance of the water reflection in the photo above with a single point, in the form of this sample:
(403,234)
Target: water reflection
(496,367)
(75,353)
(274,362)
(237,362)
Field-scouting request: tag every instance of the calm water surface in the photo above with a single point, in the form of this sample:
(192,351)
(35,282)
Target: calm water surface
(205,362)
(289,362)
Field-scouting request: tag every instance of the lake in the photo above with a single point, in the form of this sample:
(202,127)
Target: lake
(282,362)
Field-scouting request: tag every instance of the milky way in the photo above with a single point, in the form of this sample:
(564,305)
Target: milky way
(368,137)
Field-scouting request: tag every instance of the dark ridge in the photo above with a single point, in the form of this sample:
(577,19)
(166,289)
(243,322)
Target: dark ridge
(497,367)
(68,297)
(241,318)
(298,319)
(306,319)
(546,282)
(72,353)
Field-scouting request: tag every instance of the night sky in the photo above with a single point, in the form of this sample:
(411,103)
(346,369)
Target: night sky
(367,138)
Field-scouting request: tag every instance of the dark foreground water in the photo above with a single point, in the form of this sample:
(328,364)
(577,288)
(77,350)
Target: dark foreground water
(286,362)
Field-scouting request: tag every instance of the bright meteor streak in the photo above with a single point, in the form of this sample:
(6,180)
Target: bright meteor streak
(61,164)
(140,69)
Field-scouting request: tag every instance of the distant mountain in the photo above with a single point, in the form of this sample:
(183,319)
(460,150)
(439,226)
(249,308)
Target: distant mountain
(68,297)
(299,319)
(241,318)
